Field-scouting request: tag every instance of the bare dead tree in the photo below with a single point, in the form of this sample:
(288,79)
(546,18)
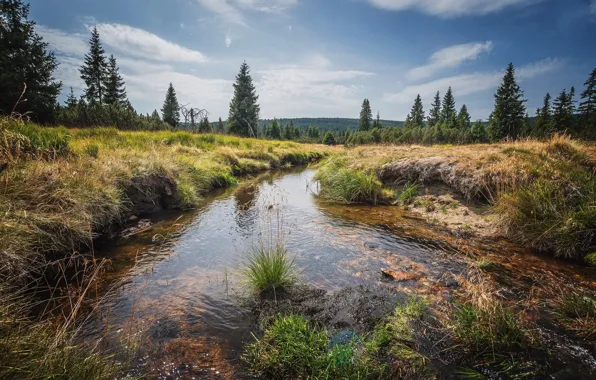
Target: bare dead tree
(192,114)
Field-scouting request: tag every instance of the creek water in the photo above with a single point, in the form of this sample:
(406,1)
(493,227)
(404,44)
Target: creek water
(175,291)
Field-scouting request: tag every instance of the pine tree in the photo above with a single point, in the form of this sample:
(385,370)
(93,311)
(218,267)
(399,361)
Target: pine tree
(366,116)
(564,110)
(478,132)
(587,106)
(155,116)
(448,111)
(416,117)
(115,92)
(543,122)
(243,119)
(378,124)
(463,119)
(171,109)
(508,115)
(205,125)
(71,100)
(24,59)
(220,126)
(329,139)
(94,70)
(275,130)
(434,116)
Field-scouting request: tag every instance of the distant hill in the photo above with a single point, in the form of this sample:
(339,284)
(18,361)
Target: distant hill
(328,124)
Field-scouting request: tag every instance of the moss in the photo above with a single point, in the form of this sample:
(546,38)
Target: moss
(590,259)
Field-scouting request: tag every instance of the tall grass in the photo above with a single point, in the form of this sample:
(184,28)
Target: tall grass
(342,184)
(270,268)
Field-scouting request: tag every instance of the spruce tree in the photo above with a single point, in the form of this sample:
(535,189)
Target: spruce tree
(543,122)
(329,139)
(205,125)
(220,126)
(448,111)
(71,100)
(366,116)
(114,85)
(94,70)
(155,116)
(243,119)
(275,130)
(416,117)
(434,115)
(587,106)
(378,124)
(171,109)
(563,112)
(463,119)
(25,60)
(508,116)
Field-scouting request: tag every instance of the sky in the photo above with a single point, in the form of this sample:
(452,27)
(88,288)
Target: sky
(321,58)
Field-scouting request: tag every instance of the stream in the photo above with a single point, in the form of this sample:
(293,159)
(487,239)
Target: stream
(175,292)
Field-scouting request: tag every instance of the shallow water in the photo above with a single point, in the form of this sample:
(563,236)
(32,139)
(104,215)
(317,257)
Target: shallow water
(180,282)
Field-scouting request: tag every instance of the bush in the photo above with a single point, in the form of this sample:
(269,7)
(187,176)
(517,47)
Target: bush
(329,139)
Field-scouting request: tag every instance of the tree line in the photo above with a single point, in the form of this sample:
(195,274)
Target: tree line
(28,87)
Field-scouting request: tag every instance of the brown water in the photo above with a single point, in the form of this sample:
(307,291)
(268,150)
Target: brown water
(178,285)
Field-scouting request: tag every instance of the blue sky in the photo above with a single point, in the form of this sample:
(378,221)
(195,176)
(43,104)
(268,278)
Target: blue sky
(320,58)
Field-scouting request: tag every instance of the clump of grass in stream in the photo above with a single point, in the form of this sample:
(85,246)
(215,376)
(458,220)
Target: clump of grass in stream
(294,348)
(409,191)
(342,184)
(270,268)
(576,311)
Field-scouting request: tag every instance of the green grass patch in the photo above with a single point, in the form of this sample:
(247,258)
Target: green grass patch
(345,185)
(409,191)
(576,311)
(270,268)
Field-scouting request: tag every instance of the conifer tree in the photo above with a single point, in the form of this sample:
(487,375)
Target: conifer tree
(587,106)
(463,119)
(24,59)
(448,111)
(171,109)
(378,121)
(366,117)
(329,139)
(220,126)
(155,116)
(114,85)
(543,122)
(416,117)
(507,119)
(564,110)
(434,115)
(243,119)
(94,70)
(478,132)
(71,100)
(205,125)
(275,130)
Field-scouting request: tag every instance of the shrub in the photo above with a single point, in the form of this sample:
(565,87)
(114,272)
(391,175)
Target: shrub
(590,259)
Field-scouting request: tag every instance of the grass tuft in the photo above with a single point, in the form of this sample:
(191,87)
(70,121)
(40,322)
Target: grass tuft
(270,269)
(409,191)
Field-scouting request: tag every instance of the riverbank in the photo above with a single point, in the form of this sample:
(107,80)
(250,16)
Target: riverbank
(63,187)
(539,194)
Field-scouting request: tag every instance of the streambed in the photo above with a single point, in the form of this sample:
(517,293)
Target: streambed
(175,291)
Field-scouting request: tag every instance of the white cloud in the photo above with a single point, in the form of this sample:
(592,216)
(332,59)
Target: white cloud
(230,10)
(267,5)
(311,88)
(143,44)
(225,10)
(450,57)
(467,84)
(228,41)
(450,8)
(65,43)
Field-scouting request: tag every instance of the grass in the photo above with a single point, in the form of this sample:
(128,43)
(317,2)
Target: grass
(345,185)
(542,193)
(409,191)
(576,311)
(62,186)
(270,269)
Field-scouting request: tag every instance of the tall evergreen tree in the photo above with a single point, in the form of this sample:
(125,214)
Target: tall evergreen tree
(416,117)
(366,116)
(508,116)
(543,122)
(275,130)
(587,106)
(448,111)
(114,85)
(377,123)
(205,125)
(243,119)
(171,108)
(434,115)
(564,110)
(71,100)
(24,59)
(94,70)
(464,119)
